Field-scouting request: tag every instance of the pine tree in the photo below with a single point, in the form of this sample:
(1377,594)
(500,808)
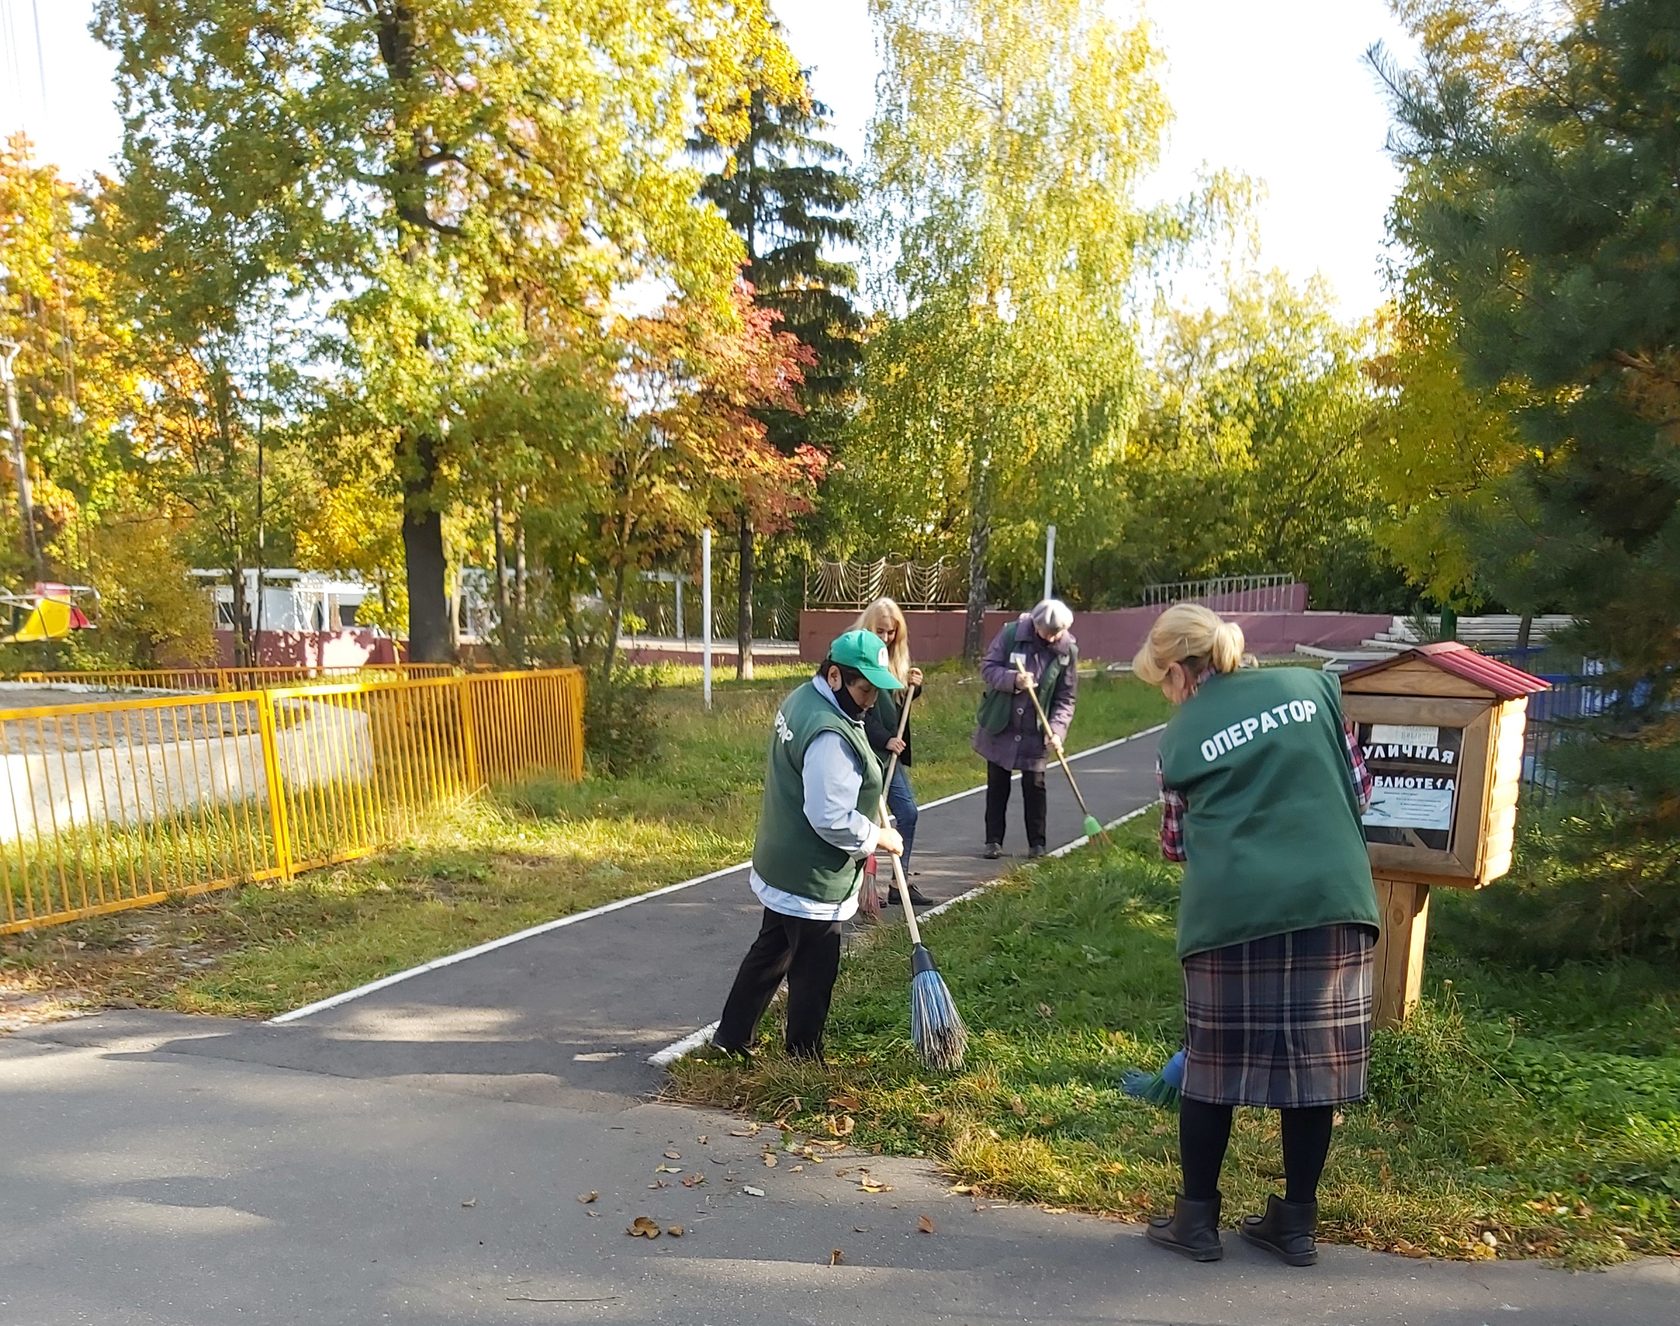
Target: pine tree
(785,191)
(1551,224)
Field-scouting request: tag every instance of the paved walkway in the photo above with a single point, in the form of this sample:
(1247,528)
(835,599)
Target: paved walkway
(416,1154)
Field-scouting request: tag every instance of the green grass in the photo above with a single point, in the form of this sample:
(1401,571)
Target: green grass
(506,860)
(1541,1108)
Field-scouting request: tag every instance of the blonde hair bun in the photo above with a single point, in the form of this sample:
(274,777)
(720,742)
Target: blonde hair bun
(1190,633)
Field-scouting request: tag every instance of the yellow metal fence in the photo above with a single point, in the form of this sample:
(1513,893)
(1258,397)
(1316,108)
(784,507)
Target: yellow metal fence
(126,803)
(235,679)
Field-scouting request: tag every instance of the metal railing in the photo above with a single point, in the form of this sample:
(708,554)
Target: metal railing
(1273,592)
(856,583)
(130,802)
(231,679)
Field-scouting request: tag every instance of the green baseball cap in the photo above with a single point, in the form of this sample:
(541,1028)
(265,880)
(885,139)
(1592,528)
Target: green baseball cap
(865,651)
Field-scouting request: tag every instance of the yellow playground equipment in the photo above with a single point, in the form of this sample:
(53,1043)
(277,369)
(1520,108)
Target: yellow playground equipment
(48,612)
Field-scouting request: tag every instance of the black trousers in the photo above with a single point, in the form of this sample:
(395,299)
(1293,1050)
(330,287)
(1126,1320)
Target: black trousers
(997,802)
(807,954)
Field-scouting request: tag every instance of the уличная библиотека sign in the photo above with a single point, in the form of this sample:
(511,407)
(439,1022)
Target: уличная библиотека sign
(1415,771)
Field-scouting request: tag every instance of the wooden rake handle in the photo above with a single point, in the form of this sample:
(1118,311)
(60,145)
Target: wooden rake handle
(1050,740)
(883,816)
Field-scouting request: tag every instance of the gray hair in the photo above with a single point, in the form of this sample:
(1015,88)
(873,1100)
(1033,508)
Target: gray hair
(1052,616)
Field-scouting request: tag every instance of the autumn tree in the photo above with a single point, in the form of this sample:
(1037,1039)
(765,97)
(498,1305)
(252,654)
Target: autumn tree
(1008,142)
(415,161)
(785,191)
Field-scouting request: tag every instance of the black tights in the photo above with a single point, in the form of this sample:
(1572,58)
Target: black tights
(1204,1131)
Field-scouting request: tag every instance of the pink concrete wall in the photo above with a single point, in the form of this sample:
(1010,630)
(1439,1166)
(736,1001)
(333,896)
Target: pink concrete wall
(1112,636)
(327,649)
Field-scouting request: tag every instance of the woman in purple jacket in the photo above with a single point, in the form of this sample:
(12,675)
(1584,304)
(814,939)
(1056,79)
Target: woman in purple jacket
(1008,736)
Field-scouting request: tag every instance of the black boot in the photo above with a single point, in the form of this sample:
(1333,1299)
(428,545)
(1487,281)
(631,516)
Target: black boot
(1288,1230)
(1193,1229)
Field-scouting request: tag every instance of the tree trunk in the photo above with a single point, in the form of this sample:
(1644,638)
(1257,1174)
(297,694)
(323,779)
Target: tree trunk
(242,643)
(521,579)
(1525,629)
(743,604)
(979,544)
(430,637)
(615,623)
(504,624)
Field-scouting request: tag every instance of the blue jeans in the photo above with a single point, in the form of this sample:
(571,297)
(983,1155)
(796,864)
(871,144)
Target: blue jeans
(901,804)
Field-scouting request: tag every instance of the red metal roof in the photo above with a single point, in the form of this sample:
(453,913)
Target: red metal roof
(1503,680)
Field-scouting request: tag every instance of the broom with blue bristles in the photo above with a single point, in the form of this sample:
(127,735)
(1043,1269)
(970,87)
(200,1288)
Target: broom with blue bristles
(1158,1088)
(936,1028)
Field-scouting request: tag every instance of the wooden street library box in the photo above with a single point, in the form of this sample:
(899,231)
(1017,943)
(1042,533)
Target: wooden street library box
(1442,729)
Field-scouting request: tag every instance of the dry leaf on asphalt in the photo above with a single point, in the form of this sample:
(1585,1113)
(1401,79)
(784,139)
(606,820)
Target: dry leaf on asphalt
(675,1231)
(836,1257)
(471,1201)
(769,1160)
(693,1180)
(657,1184)
(870,1186)
(796,1169)
(752,1191)
(746,1132)
(703,1140)
(587,1197)
(643,1228)
(926,1225)
(964,1190)
(673,1155)
(668,1169)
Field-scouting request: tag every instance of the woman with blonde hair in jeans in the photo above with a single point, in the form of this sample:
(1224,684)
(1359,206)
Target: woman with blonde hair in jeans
(886,619)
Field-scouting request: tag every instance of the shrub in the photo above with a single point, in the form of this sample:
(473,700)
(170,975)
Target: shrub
(620,728)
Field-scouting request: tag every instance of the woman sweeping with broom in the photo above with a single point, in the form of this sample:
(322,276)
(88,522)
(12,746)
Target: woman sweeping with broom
(888,736)
(1262,788)
(1034,653)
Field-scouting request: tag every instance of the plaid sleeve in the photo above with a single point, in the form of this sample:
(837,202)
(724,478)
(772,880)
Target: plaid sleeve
(1363,783)
(1173,806)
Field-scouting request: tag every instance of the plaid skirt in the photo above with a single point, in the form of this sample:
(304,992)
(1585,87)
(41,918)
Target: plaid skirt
(1281,1022)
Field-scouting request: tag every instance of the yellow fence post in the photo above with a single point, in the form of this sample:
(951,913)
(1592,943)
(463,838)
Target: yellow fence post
(469,733)
(277,816)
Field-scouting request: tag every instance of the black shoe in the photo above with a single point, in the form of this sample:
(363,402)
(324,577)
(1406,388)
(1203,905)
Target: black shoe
(993,851)
(1035,851)
(917,897)
(1191,1231)
(1288,1230)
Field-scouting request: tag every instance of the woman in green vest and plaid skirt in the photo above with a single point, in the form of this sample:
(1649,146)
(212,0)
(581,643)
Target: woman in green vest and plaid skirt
(1263,786)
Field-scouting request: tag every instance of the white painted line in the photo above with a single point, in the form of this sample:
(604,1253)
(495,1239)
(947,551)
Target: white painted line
(676,1049)
(449,960)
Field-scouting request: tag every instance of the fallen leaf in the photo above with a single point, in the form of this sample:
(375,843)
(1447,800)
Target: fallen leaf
(1045,1011)
(1018,1105)
(935,1120)
(860,1229)
(675,1231)
(593,1215)
(845,1104)
(471,1201)
(769,1160)
(796,1169)
(643,1228)
(746,1132)
(836,1257)
(963,1190)
(752,1191)
(1406,1249)
(703,1140)
(870,1186)
(657,1184)
(926,1226)
(668,1169)
(673,1155)
(843,1126)
(587,1197)
(693,1180)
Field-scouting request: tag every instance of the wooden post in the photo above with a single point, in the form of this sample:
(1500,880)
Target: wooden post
(1398,979)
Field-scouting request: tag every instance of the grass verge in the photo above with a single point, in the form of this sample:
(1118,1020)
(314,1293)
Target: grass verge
(506,860)
(1519,1113)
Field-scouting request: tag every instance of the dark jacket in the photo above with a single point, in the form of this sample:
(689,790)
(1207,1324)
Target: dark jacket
(1020,744)
(880,725)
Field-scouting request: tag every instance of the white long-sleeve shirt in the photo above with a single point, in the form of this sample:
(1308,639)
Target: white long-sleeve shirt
(832,778)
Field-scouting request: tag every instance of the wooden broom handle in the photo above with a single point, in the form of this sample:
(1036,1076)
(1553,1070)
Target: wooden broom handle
(903,723)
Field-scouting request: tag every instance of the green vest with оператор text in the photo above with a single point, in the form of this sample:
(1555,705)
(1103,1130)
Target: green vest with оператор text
(1272,835)
(788,853)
